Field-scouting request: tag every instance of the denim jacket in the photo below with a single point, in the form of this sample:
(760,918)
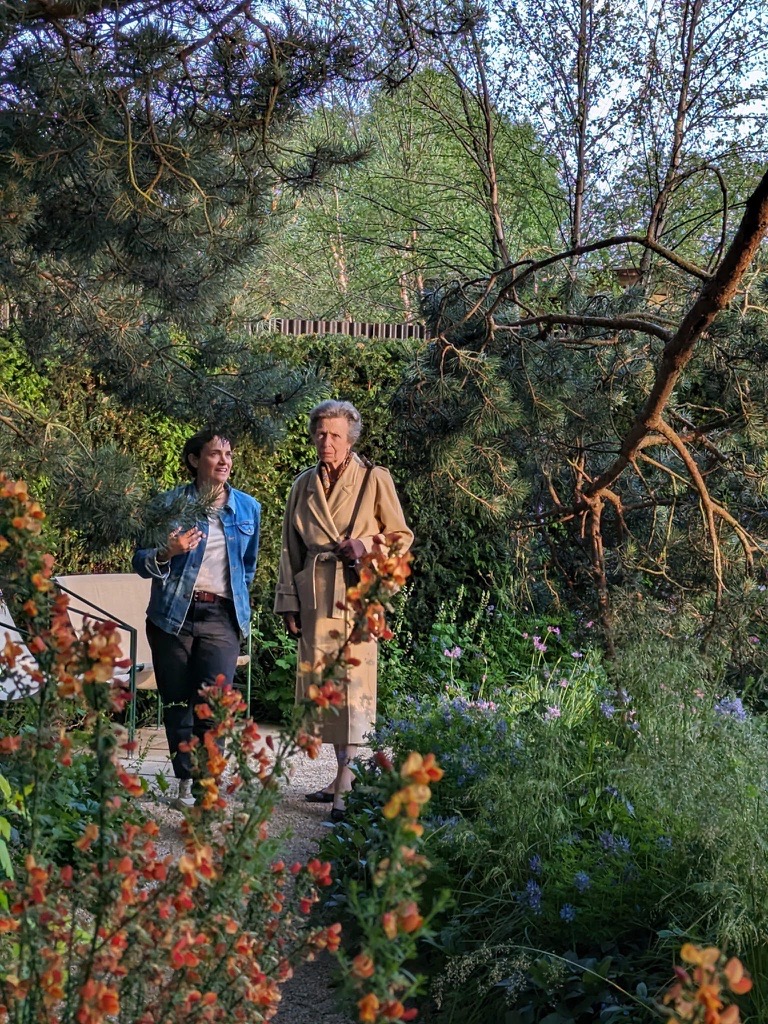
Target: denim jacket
(174,583)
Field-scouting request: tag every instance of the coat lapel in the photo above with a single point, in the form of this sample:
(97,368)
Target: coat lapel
(344,494)
(319,507)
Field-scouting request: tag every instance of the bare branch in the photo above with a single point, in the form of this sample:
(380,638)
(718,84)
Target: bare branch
(608,322)
(714,297)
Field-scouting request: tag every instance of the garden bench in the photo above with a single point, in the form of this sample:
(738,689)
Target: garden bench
(19,684)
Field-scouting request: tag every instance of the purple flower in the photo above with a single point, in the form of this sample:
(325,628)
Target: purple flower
(754,639)
(576,654)
(589,625)
(535,864)
(554,629)
(607,709)
(563,683)
(582,881)
(551,713)
(567,912)
(454,652)
(538,645)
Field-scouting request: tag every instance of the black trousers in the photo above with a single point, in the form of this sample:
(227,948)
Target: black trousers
(207,646)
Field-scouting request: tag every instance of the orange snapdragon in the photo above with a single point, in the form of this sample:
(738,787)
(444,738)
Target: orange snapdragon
(698,996)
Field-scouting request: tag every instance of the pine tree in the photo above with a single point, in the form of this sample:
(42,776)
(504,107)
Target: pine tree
(142,149)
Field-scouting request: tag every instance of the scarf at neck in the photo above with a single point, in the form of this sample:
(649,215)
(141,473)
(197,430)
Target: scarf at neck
(330,476)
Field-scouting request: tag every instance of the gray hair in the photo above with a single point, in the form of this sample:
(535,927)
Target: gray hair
(333,409)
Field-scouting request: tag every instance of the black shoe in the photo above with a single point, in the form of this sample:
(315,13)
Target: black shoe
(338,814)
(320,797)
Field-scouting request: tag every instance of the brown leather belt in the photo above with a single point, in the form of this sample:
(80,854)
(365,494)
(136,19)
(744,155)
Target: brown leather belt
(206,597)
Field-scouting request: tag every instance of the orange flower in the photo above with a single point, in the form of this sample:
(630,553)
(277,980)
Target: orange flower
(408,917)
(389,924)
(195,864)
(333,937)
(392,1010)
(420,769)
(310,744)
(739,981)
(320,871)
(131,783)
(363,966)
(90,834)
(706,957)
(97,1001)
(326,696)
(368,1008)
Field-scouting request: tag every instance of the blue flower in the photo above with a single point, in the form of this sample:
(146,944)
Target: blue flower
(532,896)
(664,843)
(607,840)
(582,881)
(567,912)
(731,707)
(607,709)
(535,864)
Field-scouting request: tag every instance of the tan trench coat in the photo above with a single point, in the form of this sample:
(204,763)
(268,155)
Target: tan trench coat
(311,579)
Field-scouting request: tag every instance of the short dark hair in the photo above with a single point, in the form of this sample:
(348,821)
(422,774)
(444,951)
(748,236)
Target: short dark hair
(195,444)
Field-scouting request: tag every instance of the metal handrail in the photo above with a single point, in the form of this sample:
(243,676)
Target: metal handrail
(134,667)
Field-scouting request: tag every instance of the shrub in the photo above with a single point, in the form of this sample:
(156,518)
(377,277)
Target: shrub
(588,813)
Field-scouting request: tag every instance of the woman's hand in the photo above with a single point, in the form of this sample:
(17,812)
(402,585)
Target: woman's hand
(179,543)
(292,623)
(350,550)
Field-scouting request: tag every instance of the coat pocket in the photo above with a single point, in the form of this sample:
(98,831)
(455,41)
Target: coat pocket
(305,588)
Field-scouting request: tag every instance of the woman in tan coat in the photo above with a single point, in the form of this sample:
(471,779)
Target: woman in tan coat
(316,542)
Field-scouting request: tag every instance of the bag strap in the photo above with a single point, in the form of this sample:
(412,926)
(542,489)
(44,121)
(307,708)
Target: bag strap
(368,470)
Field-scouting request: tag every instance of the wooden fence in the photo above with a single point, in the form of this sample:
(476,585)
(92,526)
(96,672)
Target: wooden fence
(350,328)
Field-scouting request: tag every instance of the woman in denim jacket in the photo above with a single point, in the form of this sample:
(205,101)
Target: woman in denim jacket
(199,608)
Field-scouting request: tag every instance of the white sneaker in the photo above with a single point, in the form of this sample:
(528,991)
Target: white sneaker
(183,799)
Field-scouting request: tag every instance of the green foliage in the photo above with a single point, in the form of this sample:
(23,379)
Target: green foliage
(274,671)
(417,208)
(69,798)
(518,985)
(387,911)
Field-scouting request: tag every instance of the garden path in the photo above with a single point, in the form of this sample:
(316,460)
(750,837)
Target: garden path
(308,998)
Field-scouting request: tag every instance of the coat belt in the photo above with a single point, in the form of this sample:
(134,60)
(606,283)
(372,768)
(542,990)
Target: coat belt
(339,588)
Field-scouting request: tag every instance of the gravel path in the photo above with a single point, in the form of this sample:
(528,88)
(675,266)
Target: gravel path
(308,997)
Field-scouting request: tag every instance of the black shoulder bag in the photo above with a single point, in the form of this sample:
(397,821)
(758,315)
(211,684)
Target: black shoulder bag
(352,568)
